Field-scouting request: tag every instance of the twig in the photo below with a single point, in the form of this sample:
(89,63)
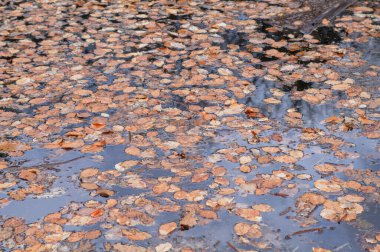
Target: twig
(46,165)
(285,211)
(319,230)
(283,195)
(342,246)
(319,161)
(232,246)
(312,211)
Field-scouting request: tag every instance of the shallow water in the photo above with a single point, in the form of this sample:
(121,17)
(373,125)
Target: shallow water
(178,101)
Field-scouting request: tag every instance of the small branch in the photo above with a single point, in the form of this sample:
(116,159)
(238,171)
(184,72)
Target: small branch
(342,246)
(319,230)
(283,195)
(285,211)
(312,211)
(45,165)
(232,246)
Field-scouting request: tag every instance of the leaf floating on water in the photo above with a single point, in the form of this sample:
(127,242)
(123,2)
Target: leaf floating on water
(201,114)
(164,247)
(320,250)
(105,193)
(123,166)
(7,185)
(97,213)
(167,228)
(136,235)
(327,186)
(249,214)
(71,144)
(272,100)
(89,172)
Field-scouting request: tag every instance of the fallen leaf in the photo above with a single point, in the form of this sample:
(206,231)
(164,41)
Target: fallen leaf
(327,186)
(167,228)
(164,247)
(29,174)
(97,213)
(136,235)
(89,172)
(249,214)
(123,166)
(105,193)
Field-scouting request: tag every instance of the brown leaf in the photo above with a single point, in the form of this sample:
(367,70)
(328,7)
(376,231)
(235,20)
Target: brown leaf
(97,213)
(89,186)
(29,174)
(126,165)
(253,113)
(167,228)
(249,214)
(7,185)
(161,188)
(325,168)
(188,221)
(208,214)
(327,186)
(98,126)
(89,172)
(136,235)
(72,144)
(251,231)
(105,193)
(263,208)
(134,151)
(285,159)
(118,247)
(199,177)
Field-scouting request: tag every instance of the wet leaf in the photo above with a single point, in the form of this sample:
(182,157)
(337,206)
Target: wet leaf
(89,186)
(263,208)
(167,228)
(29,174)
(97,213)
(136,235)
(89,172)
(327,186)
(160,188)
(7,185)
(71,144)
(123,166)
(105,193)
(128,248)
(164,247)
(249,214)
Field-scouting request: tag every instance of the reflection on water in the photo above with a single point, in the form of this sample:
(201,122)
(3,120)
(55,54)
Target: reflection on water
(312,114)
(66,187)
(275,226)
(62,192)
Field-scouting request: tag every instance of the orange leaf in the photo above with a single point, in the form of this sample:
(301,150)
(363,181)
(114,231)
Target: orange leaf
(98,126)
(97,213)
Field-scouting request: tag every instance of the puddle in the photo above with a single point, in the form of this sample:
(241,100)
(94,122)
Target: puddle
(62,192)
(65,188)
(276,226)
(199,134)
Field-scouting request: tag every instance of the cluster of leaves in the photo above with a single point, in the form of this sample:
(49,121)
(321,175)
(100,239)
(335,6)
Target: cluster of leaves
(219,114)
